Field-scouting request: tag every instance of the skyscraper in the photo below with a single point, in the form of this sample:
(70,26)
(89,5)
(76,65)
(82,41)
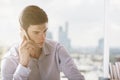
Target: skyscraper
(63,36)
(49,35)
(100,47)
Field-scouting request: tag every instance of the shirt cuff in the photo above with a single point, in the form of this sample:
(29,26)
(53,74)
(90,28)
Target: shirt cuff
(22,71)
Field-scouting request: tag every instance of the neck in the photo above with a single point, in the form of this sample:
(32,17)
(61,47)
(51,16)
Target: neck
(38,54)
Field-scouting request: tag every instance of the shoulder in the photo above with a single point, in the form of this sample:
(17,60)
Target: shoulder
(53,44)
(11,53)
(10,59)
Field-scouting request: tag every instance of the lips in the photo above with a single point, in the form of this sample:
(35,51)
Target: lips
(40,43)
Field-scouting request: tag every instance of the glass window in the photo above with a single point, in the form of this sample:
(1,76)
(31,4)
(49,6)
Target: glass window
(77,24)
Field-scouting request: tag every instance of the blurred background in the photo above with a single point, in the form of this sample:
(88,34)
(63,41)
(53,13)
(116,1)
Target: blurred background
(115,31)
(77,24)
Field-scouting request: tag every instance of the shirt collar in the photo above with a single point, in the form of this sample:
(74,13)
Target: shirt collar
(48,47)
(45,49)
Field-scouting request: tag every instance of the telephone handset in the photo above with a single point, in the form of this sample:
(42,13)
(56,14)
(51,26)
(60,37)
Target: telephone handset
(25,34)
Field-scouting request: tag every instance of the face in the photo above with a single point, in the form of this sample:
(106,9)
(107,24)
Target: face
(37,33)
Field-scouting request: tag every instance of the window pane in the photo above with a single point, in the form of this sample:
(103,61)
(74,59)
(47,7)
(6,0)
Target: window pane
(77,24)
(115,31)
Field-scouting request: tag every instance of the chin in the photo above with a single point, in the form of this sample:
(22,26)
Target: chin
(40,45)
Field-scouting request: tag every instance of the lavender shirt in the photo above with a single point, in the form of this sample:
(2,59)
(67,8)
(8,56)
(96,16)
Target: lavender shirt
(53,60)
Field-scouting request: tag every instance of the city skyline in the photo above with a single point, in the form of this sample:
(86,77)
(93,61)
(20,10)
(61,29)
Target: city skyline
(85,17)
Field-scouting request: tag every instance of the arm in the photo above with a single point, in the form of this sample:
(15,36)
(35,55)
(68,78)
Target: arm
(67,65)
(11,71)
(11,68)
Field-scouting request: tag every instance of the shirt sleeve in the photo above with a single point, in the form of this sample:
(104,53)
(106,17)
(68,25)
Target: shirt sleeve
(67,65)
(11,71)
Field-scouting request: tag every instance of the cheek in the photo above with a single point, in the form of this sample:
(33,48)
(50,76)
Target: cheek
(32,36)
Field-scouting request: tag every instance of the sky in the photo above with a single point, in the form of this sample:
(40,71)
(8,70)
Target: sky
(85,18)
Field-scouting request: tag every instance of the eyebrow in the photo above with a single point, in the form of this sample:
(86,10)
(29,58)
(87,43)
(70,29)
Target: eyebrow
(40,30)
(45,29)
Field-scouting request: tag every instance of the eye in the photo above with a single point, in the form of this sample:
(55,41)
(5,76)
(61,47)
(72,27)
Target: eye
(45,30)
(35,32)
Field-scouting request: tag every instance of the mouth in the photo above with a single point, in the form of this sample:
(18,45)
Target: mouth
(40,43)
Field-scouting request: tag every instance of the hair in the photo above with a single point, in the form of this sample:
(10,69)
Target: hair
(32,15)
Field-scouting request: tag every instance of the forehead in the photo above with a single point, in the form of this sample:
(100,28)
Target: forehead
(39,27)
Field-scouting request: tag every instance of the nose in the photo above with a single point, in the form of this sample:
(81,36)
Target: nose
(42,37)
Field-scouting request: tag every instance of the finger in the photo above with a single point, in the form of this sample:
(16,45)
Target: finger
(28,44)
(26,41)
(23,41)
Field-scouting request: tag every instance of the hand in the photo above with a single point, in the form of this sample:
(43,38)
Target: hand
(27,50)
